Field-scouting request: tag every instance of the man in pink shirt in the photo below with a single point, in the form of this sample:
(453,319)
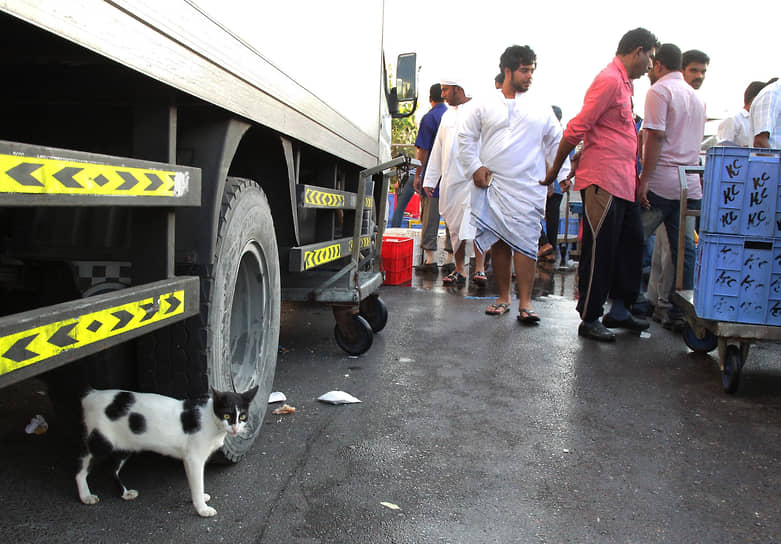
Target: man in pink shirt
(611,256)
(672,132)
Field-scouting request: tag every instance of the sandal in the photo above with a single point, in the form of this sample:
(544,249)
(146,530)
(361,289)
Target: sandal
(545,250)
(528,317)
(499,308)
(454,278)
(480,278)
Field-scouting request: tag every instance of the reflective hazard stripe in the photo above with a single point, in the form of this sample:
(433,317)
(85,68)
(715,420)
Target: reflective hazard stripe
(33,345)
(323,255)
(29,175)
(321,198)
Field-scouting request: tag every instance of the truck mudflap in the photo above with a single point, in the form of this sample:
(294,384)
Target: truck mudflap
(38,340)
(351,290)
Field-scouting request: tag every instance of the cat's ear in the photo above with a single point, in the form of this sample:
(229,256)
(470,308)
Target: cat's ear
(215,394)
(249,395)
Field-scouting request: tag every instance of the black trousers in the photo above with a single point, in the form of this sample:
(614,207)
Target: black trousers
(611,256)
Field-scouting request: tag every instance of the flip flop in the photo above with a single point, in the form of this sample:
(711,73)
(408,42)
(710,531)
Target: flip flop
(479,278)
(528,317)
(500,308)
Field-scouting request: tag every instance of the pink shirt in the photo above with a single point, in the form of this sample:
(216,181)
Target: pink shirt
(607,127)
(673,107)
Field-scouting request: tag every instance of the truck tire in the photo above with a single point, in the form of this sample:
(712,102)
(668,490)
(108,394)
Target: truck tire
(232,345)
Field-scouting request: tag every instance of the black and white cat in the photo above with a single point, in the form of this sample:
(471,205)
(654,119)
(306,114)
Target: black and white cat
(119,423)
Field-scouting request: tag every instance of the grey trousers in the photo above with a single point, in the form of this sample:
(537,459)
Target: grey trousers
(429,222)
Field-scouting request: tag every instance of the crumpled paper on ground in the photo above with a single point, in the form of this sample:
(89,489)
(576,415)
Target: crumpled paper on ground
(338,397)
(37,425)
(276,396)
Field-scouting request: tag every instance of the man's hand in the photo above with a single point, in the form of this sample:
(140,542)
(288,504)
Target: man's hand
(417,183)
(482,177)
(642,193)
(429,191)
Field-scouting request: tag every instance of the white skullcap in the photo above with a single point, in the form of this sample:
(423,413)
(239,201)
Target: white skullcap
(454,82)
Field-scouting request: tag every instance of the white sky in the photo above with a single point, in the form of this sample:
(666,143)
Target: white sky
(574,40)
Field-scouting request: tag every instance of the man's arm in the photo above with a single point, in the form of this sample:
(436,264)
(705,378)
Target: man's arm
(468,137)
(422,155)
(652,147)
(762,140)
(565,147)
(434,166)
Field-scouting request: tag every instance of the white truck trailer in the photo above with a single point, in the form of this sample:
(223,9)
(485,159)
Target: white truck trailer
(171,170)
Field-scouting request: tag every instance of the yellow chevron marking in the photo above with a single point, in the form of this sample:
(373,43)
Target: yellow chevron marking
(36,344)
(323,255)
(322,198)
(366,242)
(30,175)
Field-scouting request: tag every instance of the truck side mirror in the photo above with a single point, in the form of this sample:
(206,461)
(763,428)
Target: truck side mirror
(406,84)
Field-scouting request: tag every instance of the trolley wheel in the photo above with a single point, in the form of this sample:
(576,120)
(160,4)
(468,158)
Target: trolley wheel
(358,339)
(374,311)
(700,345)
(730,375)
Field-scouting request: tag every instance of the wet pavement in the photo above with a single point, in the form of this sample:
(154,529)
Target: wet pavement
(477,428)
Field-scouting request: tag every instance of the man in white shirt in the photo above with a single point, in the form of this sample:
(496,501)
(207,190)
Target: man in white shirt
(503,144)
(736,130)
(454,187)
(766,116)
(672,132)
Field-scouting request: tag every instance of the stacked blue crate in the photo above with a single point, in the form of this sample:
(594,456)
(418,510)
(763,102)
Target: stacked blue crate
(738,269)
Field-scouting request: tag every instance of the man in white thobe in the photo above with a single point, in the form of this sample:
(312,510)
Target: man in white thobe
(503,144)
(455,188)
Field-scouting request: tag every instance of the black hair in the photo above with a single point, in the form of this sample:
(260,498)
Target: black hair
(499,77)
(515,56)
(435,93)
(669,55)
(694,55)
(557,112)
(639,37)
(752,91)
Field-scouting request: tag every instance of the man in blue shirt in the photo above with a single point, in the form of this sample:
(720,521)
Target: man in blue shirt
(429,217)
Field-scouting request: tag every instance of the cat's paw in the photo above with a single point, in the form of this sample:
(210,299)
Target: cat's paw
(206,497)
(130,494)
(207,511)
(90,499)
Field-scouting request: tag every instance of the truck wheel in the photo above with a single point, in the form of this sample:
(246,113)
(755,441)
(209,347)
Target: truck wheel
(233,344)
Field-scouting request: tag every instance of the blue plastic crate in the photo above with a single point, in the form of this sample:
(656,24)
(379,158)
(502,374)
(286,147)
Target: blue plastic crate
(740,192)
(738,279)
(572,231)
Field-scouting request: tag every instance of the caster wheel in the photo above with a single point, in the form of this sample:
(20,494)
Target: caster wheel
(359,339)
(374,311)
(699,345)
(730,376)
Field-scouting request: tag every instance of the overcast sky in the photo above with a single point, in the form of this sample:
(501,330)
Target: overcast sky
(574,40)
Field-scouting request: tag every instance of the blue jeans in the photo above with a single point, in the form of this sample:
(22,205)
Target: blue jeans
(668,211)
(402,199)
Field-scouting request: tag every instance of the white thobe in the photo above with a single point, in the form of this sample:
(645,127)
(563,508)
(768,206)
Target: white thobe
(514,139)
(455,188)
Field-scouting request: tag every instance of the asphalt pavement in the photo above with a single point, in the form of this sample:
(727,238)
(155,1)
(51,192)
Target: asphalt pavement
(471,429)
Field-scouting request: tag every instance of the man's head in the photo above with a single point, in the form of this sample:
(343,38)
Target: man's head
(694,64)
(498,80)
(435,93)
(751,93)
(666,60)
(517,64)
(635,51)
(453,92)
